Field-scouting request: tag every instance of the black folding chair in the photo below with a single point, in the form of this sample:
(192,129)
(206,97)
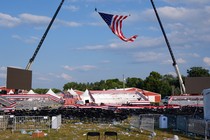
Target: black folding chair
(93,134)
(110,133)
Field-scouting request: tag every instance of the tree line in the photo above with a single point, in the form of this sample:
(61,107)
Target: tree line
(163,84)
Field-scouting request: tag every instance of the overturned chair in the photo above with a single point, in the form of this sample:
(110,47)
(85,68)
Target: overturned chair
(110,133)
(93,134)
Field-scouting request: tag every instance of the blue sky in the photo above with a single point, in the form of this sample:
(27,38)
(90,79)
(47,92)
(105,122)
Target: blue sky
(81,48)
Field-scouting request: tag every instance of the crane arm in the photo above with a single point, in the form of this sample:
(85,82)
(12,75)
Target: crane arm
(43,37)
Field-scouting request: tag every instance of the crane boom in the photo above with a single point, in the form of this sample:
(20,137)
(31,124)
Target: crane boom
(182,87)
(43,37)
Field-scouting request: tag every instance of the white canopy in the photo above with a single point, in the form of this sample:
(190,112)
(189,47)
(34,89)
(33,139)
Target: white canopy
(31,92)
(50,92)
(72,92)
(86,96)
(11,92)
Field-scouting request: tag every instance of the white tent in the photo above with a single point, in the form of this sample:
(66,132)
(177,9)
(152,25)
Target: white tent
(31,92)
(50,92)
(86,97)
(11,92)
(72,92)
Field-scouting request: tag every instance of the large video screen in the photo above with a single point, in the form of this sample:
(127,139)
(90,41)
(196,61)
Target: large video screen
(195,85)
(19,78)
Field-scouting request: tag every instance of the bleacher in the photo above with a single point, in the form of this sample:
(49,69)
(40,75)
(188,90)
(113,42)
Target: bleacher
(36,104)
(29,101)
(5,102)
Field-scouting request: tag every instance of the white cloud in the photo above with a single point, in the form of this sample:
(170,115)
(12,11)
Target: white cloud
(66,77)
(3,68)
(181,61)
(147,56)
(174,12)
(35,19)
(189,2)
(185,26)
(69,23)
(72,8)
(72,0)
(195,55)
(29,40)
(168,61)
(8,21)
(93,47)
(87,67)
(117,44)
(43,79)
(148,42)
(52,77)
(69,68)
(3,75)
(206,60)
(82,68)
(187,15)
(173,73)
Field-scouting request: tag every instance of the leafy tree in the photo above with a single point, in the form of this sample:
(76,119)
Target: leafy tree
(173,86)
(70,85)
(171,79)
(99,85)
(165,85)
(198,72)
(78,86)
(153,82)
(41,90)
(56,90)
(134,82)
(114,83)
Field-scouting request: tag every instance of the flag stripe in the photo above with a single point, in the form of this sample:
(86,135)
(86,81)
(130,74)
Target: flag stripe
(121,34)
(115,24)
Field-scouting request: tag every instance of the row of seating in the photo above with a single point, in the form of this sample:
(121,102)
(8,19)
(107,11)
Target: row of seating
(106,134)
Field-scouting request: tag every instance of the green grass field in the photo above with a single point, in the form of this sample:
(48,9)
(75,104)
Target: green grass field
(78,131)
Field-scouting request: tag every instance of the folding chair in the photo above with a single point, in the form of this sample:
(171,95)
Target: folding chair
(110,133)
(93,134)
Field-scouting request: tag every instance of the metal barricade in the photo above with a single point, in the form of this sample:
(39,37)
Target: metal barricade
(31,123)
(5,121)
(199,127)
(172,121)
(182,122)
(147,122)
(135,121)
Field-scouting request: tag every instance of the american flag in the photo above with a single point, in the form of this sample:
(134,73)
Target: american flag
(115,24)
